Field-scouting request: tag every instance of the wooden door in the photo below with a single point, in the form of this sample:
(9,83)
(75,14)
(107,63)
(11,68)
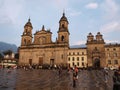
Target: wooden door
(40,60)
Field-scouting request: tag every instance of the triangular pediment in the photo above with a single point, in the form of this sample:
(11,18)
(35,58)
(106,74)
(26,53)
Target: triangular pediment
(41,32)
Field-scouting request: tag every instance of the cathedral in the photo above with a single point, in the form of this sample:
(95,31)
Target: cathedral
(40,49)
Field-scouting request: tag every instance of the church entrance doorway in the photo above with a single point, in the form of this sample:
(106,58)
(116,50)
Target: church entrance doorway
(96,63)
(52,62)
(30,61)
(40,60)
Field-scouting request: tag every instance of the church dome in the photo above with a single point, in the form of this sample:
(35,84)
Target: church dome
(63,18)
(28,24)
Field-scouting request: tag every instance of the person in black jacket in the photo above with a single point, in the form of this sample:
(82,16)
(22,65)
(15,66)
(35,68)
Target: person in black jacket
(74,79)
(116,80)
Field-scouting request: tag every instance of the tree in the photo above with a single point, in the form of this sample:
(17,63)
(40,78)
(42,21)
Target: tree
(7,52)
(1,57)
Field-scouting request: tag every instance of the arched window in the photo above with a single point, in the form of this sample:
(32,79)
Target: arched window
(62,38)
(63,26)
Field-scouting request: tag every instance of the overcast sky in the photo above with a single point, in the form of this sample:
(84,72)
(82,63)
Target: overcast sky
(84,16)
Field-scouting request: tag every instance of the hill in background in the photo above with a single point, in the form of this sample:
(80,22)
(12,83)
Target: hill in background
(78,46)
(7,46)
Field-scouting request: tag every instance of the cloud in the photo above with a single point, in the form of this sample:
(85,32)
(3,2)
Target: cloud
(110,9)
(110,41)
(110,27)
(92,5)
(10,11)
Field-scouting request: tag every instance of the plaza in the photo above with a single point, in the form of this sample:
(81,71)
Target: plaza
(44,79)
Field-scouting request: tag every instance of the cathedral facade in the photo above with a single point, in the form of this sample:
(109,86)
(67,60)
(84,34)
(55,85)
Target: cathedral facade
(40,49)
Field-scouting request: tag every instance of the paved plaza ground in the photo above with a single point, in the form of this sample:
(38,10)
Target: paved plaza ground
(19,79)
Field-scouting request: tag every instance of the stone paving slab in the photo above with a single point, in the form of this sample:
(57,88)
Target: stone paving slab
(50,80)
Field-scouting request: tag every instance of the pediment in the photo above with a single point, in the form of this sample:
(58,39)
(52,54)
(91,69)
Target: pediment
(41,32)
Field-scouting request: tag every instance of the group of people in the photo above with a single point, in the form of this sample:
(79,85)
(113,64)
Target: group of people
(116,77)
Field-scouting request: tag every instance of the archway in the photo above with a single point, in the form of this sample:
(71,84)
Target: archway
(96,63)
(62,38)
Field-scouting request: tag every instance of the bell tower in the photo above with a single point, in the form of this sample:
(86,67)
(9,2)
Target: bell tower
(95,50)
(27,34)
(63,32)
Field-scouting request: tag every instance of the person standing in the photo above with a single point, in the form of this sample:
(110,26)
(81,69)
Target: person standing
(74,79)
(76,71)
(116,80)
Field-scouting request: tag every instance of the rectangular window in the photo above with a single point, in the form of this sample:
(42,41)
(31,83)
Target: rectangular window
(77,63)
(69,53)
(83,64)
(115,61)
(62,56)
(109,61)
(73,63)
(82,53)
(73,58)
(68,58)
(82,58)
(77,58)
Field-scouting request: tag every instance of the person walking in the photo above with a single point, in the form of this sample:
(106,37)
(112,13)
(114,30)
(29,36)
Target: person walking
(74,79)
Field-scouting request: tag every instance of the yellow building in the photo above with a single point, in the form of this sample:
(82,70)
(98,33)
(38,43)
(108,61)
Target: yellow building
(78,57)
(112,54)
